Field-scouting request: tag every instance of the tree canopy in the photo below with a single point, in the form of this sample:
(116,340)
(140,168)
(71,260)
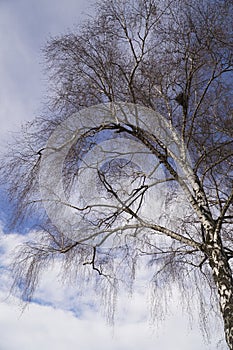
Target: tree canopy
(132,158)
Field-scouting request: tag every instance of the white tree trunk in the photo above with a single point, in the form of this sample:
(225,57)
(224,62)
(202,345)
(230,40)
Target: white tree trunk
(222,275)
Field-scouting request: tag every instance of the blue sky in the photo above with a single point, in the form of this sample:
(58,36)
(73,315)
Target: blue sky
(61,318)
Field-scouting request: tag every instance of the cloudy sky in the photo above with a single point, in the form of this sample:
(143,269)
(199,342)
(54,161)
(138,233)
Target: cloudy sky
(61,318)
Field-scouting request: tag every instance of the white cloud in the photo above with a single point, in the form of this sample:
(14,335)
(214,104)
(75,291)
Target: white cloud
(70,320)
(46,327)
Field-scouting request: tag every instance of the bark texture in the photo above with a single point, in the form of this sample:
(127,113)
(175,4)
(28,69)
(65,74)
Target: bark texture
(222,275)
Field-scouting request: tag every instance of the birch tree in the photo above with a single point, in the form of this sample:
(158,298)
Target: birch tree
(133,157)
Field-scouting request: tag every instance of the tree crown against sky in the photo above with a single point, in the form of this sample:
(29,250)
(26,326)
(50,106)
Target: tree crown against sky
(173,58)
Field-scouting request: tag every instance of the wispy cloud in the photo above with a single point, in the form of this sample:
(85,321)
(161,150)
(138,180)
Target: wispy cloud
(24,28)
